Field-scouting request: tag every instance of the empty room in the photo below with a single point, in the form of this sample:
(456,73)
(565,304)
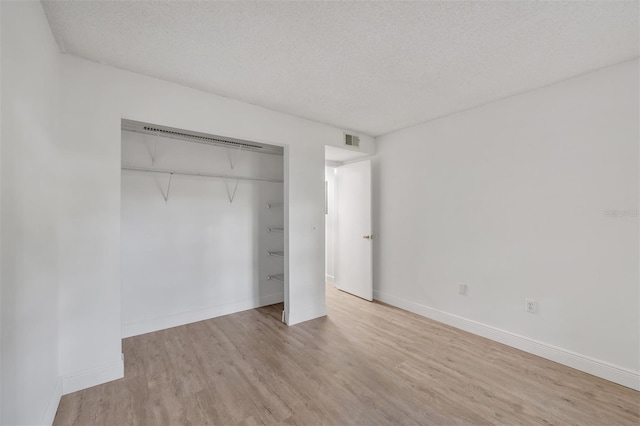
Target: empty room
(319,212)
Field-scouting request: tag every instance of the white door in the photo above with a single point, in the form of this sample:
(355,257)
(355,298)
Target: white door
(354,251)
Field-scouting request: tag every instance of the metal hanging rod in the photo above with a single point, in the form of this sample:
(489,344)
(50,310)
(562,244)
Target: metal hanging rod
(208,175)
(275,205)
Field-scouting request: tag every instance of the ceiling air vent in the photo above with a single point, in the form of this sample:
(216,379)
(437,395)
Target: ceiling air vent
(351,140)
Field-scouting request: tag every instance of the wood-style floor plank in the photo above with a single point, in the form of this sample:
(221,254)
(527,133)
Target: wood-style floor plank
(365,363)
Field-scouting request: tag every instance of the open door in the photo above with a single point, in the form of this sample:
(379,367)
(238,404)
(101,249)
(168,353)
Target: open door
(354,251)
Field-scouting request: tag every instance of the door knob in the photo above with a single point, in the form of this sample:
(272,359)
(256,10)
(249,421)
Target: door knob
(368,237)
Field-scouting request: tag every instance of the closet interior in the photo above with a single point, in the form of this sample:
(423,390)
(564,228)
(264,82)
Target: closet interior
(202,226)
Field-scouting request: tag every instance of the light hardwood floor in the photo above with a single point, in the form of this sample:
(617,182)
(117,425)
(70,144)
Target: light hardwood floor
(366,363)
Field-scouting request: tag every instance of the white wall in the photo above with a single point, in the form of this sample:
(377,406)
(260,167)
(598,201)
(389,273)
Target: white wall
(1,117)
(95,99)
(29,274)
(196,255)
(510,198)
(330,220)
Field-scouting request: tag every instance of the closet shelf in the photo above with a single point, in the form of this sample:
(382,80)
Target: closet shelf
(276,277)
(275,229)
(186,173)
(276,253)
(275,205)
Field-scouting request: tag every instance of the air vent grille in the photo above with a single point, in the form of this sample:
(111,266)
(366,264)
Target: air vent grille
(202,138)
(351,140)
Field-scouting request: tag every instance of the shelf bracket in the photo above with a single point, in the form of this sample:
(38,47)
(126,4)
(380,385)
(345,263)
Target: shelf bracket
(276,277)
(155,150)
(230,155)
(231,194)
(166,197)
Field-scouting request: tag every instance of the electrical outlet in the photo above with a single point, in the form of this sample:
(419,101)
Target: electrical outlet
(530,305)
(462,289)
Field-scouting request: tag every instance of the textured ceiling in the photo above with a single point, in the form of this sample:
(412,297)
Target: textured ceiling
(372,67)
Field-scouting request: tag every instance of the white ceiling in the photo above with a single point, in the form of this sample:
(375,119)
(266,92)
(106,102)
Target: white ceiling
(372,67)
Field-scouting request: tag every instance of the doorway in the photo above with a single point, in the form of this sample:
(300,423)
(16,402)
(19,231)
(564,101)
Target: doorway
(348,239)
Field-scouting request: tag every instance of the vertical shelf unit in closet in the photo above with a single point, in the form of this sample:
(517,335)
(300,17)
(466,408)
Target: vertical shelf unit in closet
(277,253)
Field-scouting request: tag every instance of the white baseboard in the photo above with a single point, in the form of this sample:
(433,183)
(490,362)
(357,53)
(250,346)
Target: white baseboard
(92,377)
(155,324)
(571,359)
(330,279)
(54,402)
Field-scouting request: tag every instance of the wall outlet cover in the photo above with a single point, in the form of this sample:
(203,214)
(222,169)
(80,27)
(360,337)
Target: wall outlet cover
(530,305)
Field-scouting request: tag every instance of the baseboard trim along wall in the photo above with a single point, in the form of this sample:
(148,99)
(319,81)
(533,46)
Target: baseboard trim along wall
(54,402)
(583,363)
(143,327)
(330,279)
(92,377)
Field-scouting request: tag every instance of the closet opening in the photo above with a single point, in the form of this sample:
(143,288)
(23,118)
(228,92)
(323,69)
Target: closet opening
(202,226)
